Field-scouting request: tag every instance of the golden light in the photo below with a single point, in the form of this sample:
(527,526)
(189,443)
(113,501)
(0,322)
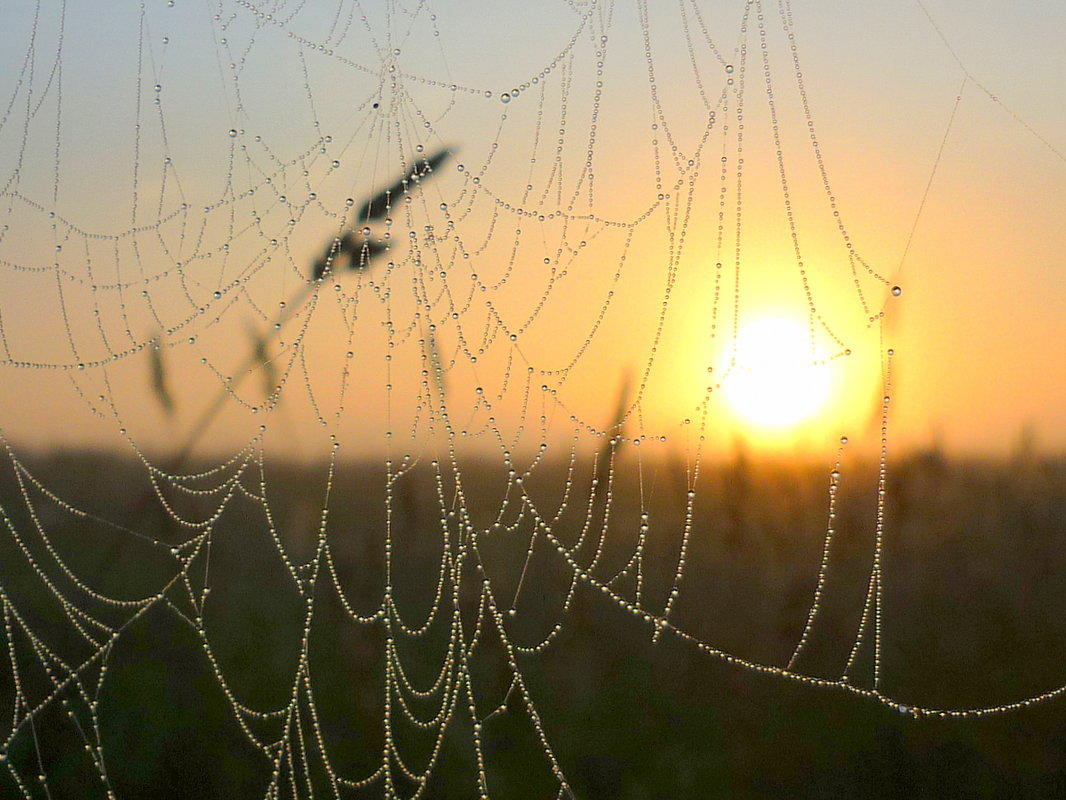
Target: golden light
(774,378)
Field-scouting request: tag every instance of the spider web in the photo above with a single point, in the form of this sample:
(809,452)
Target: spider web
(411,322)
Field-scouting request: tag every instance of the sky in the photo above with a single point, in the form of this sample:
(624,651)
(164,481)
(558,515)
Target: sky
(168,178)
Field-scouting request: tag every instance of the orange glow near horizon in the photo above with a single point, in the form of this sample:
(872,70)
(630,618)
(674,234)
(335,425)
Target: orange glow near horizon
(542,290)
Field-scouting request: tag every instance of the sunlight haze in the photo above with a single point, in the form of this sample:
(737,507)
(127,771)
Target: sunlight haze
(185,206)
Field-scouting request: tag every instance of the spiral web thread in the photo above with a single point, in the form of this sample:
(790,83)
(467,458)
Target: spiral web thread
(427,306)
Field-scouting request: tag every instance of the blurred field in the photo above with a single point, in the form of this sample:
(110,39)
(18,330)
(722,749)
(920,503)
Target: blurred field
(974,615)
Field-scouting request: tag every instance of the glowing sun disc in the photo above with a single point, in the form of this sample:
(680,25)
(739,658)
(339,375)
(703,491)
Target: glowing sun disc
(776,380)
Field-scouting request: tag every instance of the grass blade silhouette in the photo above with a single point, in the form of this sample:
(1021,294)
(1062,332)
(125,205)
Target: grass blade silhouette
(377,206)
(357,249)
(159,376)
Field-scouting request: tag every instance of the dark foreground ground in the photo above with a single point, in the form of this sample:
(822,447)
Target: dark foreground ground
(974,614)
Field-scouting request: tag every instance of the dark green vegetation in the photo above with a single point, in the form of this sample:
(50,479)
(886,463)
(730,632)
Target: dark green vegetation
(974,614)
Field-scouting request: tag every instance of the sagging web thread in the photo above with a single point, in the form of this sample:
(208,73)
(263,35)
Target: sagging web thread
(458,264)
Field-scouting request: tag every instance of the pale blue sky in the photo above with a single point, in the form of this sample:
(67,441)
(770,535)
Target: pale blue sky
(984,287)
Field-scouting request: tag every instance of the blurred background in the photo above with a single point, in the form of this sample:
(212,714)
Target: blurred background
(502,368)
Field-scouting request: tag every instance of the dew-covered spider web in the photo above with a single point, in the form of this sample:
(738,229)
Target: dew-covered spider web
(368,427)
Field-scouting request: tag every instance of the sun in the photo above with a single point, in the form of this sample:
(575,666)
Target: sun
(774,379)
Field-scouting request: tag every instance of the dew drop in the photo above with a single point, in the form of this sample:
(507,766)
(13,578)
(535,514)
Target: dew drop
(232,133)
(729,69)
(897,291)
(505,97)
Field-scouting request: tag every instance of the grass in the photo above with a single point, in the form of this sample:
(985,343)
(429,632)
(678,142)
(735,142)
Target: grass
(974,614)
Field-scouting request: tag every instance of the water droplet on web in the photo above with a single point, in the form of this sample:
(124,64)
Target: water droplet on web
(232,133)
(218,295)
(897,291)
(505,97)
(729,69)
